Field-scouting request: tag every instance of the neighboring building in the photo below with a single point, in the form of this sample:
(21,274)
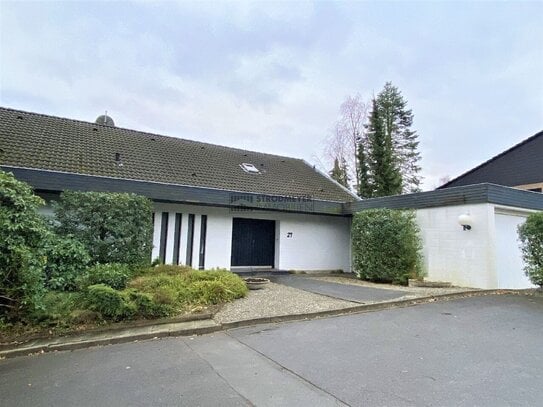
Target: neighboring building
(214,206)
(223,207)
(521,167)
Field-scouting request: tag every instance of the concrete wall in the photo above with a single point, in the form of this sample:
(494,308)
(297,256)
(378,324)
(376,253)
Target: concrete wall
(487,256)
(302,242)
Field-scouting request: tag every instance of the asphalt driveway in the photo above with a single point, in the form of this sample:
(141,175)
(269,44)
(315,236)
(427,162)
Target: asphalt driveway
(346,292)
(483,351)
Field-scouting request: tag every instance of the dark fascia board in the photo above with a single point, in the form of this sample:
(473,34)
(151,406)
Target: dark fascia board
(469,194)
(55,182)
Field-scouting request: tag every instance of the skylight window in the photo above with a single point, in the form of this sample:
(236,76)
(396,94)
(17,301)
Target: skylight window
(249,168)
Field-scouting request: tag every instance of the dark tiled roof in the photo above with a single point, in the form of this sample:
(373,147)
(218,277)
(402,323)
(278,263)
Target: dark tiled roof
(39,141)
(519,165)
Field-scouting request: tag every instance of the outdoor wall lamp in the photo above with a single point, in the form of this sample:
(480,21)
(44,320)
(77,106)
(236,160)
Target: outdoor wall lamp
(465,221)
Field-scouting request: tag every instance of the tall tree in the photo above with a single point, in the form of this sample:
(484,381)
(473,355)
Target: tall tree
(346,135)
(365,185)
(381,160)
(397,120)
(339,172)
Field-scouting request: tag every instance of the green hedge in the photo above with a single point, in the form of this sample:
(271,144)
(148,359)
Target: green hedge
(114,227)
(386,246)
(531,239)
(23,232)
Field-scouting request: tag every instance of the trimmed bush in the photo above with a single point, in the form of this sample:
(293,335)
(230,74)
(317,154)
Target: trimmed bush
(386,246)
(23,232)
(110,303)
(114,227)
(114,275)
(531,243)
(67,261)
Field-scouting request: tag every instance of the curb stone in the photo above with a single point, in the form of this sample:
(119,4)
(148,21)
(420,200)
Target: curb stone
(205,326)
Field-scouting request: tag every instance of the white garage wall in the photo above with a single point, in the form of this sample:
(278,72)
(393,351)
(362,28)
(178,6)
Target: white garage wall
(487,256)
(316,243)
(509,264)
(463,258)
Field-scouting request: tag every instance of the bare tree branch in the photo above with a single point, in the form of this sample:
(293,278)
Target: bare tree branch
(348,131)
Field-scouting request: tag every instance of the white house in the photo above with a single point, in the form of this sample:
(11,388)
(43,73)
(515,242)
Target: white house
(223,207)
(214,206)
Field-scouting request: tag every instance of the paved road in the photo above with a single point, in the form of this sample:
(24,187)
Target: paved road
(482,351)
(346,292)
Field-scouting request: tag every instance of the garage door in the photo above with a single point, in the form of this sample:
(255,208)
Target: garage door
(253,242)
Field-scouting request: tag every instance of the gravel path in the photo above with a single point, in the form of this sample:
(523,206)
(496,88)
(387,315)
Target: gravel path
(275,300)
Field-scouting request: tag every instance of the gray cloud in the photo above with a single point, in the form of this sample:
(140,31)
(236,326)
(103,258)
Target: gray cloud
(271,76)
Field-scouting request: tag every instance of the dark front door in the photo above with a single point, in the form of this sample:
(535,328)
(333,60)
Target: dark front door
(253,242)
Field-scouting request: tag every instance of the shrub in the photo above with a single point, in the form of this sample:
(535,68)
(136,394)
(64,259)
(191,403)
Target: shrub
(67,260)
(147,306)
(386,246)
(110,303)
(190,287)
(23,232)
(114,227)
(531,243)
(57,307)
(114,275)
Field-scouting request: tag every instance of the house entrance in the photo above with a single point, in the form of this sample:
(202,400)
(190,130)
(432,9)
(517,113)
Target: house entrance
(253,243)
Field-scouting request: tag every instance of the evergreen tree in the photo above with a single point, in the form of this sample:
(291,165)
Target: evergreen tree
(339,172)
(365,187)
(397,120)
(382,162)
(388,157)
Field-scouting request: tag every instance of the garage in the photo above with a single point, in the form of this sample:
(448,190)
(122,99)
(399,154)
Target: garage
(253,243)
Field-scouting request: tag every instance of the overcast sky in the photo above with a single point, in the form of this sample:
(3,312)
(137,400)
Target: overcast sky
(271,76)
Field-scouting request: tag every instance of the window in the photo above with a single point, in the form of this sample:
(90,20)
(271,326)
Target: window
(203,232)
(249,168)
(176,237)
(190,239)
(163,237)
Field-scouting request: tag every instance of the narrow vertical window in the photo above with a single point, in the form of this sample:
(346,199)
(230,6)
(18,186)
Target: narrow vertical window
(190,239)
(203,231)
(163,237)
(176,238)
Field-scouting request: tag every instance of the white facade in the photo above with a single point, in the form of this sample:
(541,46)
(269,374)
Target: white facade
(487,256)
(302,242)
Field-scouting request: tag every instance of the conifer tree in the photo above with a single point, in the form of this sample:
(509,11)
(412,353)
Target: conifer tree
(386,177)
(339,172)
(388,157)
(397,120)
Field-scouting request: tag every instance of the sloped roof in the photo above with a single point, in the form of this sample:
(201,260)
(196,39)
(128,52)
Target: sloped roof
(37,141)
(519,165)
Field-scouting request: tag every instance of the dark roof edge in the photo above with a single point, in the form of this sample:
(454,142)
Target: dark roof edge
(56,181)
(462,195)
(529,139)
